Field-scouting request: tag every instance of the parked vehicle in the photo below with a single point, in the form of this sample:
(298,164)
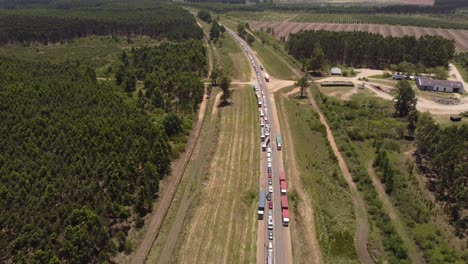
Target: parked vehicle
(270,204)
(270,246)
(270,235)
(270,189)
(270,181)
(267,77)
(268,196)
(270,223)
(261,205)
(285,214)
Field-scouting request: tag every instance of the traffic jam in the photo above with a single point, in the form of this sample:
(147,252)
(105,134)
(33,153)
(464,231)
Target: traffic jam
(266,196)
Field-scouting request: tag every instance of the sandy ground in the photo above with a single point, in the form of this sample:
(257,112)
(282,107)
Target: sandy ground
(423,105)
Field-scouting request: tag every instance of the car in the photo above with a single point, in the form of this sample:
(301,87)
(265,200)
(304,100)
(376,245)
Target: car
(270,246)
(270,235)
(269,165)
(268,149)
(268,154)
(270,181)
(270,223)
(268,196)
(270,204)
(269,170)
(269,175)
(270,189)
(269,160)
(270,214)
(267,133)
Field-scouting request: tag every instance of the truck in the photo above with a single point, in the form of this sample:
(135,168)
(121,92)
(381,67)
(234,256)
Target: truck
(282,176)
(255,87)
(285,214)
(284,202)
(261,67)
(283,187)
(278,142)
(262,134)
(261,205)
(267,77)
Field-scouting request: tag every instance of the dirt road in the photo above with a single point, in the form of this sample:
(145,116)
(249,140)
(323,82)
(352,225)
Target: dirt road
(362,230)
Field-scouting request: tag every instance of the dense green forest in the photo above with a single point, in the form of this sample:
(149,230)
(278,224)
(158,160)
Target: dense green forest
(54,25)
(442,154)
(362,49)
(170,73)
(76,163)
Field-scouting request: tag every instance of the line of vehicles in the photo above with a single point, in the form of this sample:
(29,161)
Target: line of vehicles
(266,198)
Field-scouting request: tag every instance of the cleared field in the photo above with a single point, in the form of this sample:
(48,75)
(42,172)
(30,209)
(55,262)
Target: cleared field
(419,2)
(233,59)
(324,188)
(223,226)
(458,20)
(285,28)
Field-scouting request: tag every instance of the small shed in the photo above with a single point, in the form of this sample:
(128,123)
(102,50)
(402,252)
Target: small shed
(335,71)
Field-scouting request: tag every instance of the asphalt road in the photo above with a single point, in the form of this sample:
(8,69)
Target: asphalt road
(277,166)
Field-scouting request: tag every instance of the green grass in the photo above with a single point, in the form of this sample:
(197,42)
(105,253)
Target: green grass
(271,52)
(233,58)
(322,179)
(463,73)
(97,52)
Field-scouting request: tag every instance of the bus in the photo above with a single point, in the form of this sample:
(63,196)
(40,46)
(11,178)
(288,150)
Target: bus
(278,142)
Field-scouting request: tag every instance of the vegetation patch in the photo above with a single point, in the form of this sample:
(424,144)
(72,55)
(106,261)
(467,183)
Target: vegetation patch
(320,176)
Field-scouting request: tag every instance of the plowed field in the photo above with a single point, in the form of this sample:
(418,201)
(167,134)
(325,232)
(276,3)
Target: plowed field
(284,28)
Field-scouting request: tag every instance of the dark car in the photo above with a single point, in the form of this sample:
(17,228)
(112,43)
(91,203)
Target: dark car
(269,169)
(270,204)
(269,196)
(269,175)
(270,181)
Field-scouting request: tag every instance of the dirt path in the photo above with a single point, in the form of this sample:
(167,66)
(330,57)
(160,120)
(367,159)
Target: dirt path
(414,254)
(305,209)
(162,205)
(454,71)
(362,230)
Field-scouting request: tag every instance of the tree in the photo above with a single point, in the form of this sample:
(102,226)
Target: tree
(241,30)
(303,83)
(317,61)
(214,76)
(204,15)
(215,31)
(225,85)
(440,73)
(250,39)
(412,120)
(405,100)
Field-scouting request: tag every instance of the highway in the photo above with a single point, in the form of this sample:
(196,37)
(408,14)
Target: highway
(280,234)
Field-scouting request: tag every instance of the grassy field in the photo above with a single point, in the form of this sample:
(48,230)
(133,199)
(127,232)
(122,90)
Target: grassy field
(463,71)
(271,52)
(97,52)
(187,194)
(233,59)
(321,178)
(223,226)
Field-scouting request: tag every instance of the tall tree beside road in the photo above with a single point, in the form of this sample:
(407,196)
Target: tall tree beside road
(204,15)
(250,39)
(215,31)
(303,83)
(405,100)
(225,85)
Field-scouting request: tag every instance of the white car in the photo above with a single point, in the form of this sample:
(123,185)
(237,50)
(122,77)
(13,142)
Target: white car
(269,165)
(268,150)
(270,189)
(270,224)
(268,154)
(270,246)
(270,214)
(269,160)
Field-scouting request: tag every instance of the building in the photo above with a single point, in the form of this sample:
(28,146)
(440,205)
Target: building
(429,84)
(335,71)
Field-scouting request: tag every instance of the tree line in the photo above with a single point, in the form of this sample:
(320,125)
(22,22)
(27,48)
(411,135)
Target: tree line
(53,25)
(362,49)
(170,72)
(78,164)
(442,154)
